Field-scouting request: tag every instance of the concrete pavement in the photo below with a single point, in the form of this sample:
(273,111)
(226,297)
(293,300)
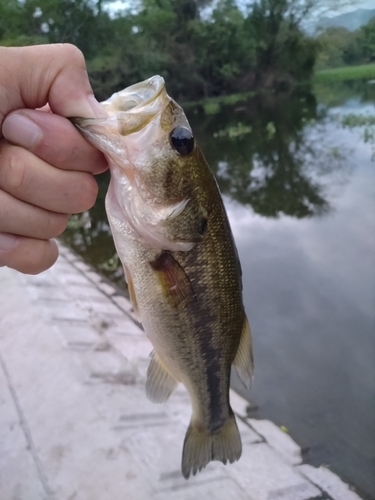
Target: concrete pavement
(75,423)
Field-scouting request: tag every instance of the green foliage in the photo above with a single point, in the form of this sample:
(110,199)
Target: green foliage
(337,46)
(334,44)
(200,56)
(284,54)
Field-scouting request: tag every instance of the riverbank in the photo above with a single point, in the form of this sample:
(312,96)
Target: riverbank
(74,419)
(346,73)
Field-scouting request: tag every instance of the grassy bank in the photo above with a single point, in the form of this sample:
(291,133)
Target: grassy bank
(346,73)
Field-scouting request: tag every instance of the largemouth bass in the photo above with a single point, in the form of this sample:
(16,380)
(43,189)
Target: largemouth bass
(173,237)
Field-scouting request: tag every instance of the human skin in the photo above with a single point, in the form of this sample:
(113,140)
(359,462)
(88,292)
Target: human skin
(46,167)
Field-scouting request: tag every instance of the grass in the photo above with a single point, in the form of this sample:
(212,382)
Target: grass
(346,73)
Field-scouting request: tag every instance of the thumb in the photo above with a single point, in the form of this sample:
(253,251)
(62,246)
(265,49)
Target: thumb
(55,74)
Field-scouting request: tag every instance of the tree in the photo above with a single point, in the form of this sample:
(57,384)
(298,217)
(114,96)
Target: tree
(368,40)
(337,46)
(284,54)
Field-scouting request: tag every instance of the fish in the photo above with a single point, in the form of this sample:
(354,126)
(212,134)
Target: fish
(180,261)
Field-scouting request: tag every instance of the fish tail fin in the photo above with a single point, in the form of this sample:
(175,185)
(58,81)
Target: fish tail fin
(201,446)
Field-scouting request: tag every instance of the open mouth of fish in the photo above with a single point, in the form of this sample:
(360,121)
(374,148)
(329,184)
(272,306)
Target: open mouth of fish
(131,109)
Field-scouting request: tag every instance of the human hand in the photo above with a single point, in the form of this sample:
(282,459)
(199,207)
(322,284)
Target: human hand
(46,167)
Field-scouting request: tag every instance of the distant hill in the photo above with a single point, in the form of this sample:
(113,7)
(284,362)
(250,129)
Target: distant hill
(351,20)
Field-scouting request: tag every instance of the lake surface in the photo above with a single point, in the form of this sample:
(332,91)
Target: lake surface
(299,189)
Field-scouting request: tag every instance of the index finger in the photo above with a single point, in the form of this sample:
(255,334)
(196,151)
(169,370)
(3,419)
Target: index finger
(54,139)
(56,74)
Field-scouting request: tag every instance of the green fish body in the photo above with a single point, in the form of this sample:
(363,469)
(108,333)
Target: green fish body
(173,237)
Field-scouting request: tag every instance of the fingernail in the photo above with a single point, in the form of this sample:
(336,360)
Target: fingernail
(8,242)
(20,130)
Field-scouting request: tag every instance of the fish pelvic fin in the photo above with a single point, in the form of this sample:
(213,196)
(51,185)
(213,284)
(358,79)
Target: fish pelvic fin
(244,362)
(201,446)
(160,383)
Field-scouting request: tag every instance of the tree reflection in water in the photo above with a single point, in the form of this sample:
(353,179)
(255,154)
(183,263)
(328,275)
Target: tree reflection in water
(270,152)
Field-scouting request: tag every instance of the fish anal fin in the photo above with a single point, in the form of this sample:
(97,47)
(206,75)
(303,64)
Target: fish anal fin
(202,446)
(174,281)
(160,383)
(243,362)
(133,297)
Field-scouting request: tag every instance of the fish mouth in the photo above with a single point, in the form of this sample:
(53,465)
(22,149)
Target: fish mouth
(135,97)
(129,110)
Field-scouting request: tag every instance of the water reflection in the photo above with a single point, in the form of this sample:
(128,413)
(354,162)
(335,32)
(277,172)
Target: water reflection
(259,152)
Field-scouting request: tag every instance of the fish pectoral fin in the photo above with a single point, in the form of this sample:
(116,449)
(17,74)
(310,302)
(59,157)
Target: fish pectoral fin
(201,446)
(160,383)
(133,297)
(174,281)
(243,362)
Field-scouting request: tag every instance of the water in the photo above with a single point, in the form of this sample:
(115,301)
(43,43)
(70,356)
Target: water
(299,191)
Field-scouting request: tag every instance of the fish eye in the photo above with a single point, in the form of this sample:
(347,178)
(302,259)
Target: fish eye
(182,140)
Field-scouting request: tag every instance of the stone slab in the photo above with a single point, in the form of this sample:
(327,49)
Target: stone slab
(329,482)
(279,440)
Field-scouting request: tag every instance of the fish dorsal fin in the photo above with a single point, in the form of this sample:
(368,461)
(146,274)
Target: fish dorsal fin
(174,281)
(133,297)
(243,362)
(160,383)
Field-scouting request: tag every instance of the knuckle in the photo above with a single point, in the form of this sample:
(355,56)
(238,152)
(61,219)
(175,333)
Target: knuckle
(31,256)
(88,191)
(36,256)
(55,224)
(14,176)
(73,54)
(91,192)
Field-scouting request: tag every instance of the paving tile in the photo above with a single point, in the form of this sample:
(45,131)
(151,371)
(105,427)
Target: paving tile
(103,307)
(328,482)
(80,333)
(93,276)
(82,266)
(123,302)
(106,288)
(104,365)
(248,436)
(265,476)
(131,347)
(279,440)
(125,326)
(19,477)
(218,488)
(162,469)
(238,404)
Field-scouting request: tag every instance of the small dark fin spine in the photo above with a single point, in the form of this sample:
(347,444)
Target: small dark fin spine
(202,446)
